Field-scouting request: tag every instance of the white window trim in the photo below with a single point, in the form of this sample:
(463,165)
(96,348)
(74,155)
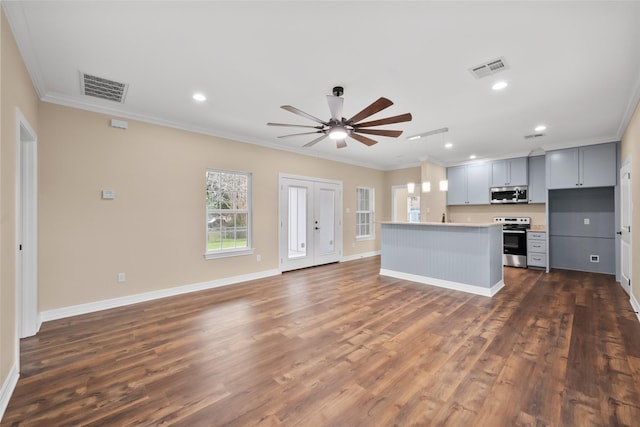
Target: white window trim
(372,202)
(232,252)
(228,253)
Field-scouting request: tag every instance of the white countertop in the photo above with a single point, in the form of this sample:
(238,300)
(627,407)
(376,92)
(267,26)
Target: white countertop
(447,224)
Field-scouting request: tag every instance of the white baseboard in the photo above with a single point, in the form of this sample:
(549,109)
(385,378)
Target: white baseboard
(635,305)
(7,388)
(359,256)
(75,310)
(456,286)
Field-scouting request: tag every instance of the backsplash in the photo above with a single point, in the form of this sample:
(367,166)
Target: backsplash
(485,213)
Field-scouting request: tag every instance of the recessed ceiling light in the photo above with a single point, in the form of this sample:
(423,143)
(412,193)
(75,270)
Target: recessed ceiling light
(540,128)
(199,97)
(473,156)
(448,145)
(499,85)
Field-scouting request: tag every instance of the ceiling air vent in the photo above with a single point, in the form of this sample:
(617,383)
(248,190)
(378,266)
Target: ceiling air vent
(488,68)
(533,135)
(102,88)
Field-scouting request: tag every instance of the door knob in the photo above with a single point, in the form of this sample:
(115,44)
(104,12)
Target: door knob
(317,228)
(618,232)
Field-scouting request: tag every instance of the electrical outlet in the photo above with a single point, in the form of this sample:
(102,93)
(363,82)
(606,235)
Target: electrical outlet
(586,221)
(121,277)
(258,258)
(594,258)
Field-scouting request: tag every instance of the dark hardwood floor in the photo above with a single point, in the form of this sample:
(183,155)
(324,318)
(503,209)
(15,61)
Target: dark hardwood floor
(340,346)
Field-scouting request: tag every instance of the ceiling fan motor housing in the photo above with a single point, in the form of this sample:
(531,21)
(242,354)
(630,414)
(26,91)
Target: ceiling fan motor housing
(338,91)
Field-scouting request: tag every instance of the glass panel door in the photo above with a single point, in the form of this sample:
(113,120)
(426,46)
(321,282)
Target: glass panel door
(310,223)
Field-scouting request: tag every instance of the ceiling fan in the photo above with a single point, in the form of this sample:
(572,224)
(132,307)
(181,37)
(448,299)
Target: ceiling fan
(338,128)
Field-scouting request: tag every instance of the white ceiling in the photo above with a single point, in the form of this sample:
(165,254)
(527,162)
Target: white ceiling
(573,66)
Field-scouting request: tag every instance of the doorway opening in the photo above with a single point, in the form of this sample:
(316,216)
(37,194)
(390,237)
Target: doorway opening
(405,206)
(27,318)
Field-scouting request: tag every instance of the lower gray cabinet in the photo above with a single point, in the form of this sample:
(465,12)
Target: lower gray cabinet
(537,249)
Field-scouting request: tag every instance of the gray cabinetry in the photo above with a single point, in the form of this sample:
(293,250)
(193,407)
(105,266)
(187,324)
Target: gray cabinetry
(512,172)
(457,192)
(590,166)
(598,165)
(537,185)
(537,249)
(468,185)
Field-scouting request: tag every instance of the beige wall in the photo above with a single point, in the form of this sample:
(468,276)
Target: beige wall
(434,203)
(154,230)
(630,149)
(484,213)
(17,91)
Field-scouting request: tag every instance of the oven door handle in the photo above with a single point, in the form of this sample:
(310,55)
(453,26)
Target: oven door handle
(514,231)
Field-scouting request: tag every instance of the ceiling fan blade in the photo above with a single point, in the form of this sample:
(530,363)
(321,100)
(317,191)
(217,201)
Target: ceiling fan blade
(335,106)
(294,110)
(297,134)
(295,126)
(341,143)
(387,121)
(315,141)
(376,106)
(363,139)
(381,132)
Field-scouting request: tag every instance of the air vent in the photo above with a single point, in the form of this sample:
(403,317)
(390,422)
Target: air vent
(488,68)
(533,135)
(102,88)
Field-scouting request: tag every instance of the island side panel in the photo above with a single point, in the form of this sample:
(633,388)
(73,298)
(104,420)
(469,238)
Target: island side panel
(457,254)
(496,244)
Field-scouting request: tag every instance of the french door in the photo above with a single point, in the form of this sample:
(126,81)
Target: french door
(625,227)
(310,222)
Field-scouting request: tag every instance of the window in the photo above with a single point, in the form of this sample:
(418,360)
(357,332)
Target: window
(228,213)
(364,213)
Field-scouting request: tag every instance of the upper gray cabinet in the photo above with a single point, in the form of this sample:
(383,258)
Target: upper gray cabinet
(468,184)
(589,166)
(537,186)
(512,172)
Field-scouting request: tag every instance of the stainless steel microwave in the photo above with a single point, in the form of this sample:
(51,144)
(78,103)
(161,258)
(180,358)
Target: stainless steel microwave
(509,195)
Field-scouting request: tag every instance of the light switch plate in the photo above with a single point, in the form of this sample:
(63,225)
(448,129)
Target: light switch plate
(586,221)
(108,195)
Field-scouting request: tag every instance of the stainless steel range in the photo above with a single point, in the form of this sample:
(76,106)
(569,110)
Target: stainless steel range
(514,232)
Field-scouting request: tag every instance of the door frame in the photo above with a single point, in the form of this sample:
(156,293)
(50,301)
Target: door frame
(28,320)
(281,215)
(626,168)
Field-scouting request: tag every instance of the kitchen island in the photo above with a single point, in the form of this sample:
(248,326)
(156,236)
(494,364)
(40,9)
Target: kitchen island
(461,256)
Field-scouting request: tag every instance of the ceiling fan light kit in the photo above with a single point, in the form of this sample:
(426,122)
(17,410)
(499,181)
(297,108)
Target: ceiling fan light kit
(338,128)
(338,132)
